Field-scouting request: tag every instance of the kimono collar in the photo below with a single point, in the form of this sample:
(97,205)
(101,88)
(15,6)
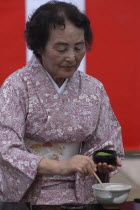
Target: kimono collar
(59,90)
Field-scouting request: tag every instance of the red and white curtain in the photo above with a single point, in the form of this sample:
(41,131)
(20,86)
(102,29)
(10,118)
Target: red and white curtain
(114,59)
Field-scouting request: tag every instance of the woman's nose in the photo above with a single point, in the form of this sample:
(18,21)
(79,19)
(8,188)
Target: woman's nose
(70,56)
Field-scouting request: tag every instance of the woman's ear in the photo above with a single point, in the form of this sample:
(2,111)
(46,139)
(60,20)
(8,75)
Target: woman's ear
(40,51)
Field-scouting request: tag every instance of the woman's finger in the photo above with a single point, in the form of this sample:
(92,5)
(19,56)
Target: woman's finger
(92,164)
(119,162)
(111,168)
(100,168)
(105,168)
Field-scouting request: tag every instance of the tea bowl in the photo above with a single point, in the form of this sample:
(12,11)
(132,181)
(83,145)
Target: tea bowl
(105,156)
(114,194)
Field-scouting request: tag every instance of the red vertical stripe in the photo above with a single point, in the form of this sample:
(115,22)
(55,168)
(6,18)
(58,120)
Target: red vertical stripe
(12,23)
(114,60)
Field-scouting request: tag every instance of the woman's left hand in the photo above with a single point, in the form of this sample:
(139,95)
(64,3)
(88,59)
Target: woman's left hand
(105,168)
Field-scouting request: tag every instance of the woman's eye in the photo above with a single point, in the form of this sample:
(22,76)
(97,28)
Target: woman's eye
(80,47)
(63,50)
(77,49)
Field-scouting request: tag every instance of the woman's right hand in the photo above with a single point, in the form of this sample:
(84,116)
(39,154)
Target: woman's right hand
(78,163)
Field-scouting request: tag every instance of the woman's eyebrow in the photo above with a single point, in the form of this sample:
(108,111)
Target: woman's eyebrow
(66,44)
(80,43)
(61,44)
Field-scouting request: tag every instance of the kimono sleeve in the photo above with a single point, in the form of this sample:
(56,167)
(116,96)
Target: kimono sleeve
(18,167)
(107,135)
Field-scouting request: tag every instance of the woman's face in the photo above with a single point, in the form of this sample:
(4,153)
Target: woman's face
(63,52)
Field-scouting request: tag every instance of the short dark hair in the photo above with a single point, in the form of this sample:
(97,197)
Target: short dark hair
(54,13)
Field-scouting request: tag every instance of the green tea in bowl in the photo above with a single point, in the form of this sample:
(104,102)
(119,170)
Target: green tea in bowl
(105,156)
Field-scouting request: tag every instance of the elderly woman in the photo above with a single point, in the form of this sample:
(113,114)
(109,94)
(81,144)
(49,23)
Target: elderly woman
(53,117)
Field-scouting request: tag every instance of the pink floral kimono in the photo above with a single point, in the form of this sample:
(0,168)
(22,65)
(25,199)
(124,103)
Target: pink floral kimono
(32,111)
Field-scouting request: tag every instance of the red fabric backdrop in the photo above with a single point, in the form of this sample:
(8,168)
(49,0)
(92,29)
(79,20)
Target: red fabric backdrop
(114,59)
(12,45)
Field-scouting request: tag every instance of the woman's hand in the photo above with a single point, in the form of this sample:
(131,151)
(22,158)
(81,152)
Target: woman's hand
(78,163)
(105,168)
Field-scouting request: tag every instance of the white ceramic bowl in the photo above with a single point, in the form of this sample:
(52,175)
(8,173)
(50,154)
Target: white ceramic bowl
(115,196)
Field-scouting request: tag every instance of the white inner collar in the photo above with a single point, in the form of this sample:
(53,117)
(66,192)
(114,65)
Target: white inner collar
(59,90)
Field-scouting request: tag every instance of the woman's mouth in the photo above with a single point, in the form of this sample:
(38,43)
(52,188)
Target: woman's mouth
(68,68)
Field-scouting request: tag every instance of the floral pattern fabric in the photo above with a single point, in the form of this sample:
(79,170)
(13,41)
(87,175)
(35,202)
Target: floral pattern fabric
(30,108)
